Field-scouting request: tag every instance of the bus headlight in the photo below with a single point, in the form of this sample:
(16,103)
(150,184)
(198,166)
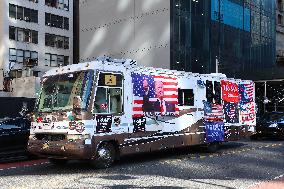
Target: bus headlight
(32,137)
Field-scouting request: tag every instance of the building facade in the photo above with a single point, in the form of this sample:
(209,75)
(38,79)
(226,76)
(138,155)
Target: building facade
(183,35)
(136,29)
(280,32)
(35,35)
(238,34)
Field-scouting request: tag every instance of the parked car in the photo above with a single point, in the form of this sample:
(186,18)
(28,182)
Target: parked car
(271,124)
(14,126)
(14,134)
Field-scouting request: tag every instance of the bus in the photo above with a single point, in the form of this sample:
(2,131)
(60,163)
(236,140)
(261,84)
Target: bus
(105,109)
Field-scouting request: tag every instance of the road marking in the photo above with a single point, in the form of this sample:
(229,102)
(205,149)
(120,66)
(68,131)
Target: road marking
(14,165)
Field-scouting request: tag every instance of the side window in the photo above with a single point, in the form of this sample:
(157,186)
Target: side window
(115,95)
(209,91)
(217,88)
(109,94)
(185,97)
(100,101)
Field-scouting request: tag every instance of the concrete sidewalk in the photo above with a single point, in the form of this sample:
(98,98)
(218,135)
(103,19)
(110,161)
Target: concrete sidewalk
(277,183)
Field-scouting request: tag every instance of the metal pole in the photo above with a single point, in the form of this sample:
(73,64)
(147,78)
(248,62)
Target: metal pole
(219,34)
(217,65)
(265,91)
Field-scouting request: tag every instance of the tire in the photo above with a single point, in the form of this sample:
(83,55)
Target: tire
(58,162)
(213,147)
(105,156)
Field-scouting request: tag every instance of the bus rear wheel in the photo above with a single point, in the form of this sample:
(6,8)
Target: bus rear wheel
(213,147)
(105,156)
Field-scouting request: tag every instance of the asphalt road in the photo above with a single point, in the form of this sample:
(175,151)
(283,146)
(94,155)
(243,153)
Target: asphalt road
(242,164)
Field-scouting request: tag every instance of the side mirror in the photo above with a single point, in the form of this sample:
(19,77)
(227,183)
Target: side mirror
(30,117)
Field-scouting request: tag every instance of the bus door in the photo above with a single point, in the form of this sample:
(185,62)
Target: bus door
(108,106)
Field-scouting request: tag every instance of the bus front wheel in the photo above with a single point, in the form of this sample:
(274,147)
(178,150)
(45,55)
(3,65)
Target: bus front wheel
(105,156)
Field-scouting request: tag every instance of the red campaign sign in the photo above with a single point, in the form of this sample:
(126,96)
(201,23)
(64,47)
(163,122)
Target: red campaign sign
(230,91)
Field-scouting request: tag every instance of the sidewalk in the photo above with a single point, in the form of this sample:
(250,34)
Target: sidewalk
(277,183)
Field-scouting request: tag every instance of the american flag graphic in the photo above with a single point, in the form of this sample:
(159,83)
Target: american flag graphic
(213,112)
(170,87)
(247,104)
(231,112)
(246,92)
(247,113)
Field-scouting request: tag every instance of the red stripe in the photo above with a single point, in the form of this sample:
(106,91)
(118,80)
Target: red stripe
(171,89)
(138,101)
(137,115)
(171,96)
(170,83)
(172,102)
(137,109)
(164,77)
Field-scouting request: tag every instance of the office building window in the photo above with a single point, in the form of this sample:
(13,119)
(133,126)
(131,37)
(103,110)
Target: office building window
(34,55)
(34,1)
(34,16)
(27,55)
(47,59)
(34,37)
(57,41)
(12,55)
(15,73)
(59,22)
(66,23)
(20,56)
(12,33)
(12,11)
(56,21)
(20,35)
(60,60)
(27,14)
(66,60)
(23,56)
(66,43)
(59,4)
(54,60)
(27,36)
(23,35)
(280,19)
(22,13)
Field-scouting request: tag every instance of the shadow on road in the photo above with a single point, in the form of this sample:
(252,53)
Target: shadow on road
(164,164)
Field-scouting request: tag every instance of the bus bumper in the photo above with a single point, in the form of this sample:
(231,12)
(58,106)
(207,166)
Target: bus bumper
(60,149)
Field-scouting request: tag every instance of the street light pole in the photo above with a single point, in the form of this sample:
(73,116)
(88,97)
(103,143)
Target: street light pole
(217,65)
(219,18)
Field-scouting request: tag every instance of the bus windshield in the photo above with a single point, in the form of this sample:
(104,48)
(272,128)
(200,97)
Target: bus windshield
(58,91)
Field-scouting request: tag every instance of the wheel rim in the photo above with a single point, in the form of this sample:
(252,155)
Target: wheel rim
(104,154)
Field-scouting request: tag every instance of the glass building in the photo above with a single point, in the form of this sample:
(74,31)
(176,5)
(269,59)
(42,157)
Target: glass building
(239,34)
